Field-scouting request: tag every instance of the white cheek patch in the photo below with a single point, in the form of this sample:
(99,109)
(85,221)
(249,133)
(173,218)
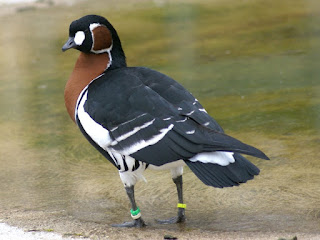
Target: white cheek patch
(79,38)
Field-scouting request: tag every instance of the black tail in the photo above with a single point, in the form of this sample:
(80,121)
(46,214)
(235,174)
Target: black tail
(224,176)
(223,142)
(212,140)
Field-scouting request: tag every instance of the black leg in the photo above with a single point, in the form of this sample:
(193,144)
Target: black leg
(137,220)
(181,211)
(181,207)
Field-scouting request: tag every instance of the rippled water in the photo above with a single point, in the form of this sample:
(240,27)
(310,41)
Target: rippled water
(268,98)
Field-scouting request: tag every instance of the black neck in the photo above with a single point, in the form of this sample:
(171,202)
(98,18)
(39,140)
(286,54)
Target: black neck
(118,56)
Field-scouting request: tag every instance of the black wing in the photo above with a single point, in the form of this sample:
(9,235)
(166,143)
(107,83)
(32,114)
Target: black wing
(154,119)
(177,95)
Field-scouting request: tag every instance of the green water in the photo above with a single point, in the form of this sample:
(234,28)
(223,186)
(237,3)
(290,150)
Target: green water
(253,65)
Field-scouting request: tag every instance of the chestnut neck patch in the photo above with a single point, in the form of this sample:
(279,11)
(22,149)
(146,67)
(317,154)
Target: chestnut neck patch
(102,39)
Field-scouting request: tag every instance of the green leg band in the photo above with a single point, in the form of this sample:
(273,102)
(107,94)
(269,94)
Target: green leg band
(135,214)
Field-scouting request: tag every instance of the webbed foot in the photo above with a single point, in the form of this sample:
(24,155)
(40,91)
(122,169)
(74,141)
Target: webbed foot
(172,220)
(136,223)
(178,219)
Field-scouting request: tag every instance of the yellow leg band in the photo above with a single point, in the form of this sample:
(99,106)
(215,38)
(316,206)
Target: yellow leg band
(181,205)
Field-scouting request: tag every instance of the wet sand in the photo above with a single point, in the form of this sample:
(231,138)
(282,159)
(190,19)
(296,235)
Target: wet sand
(67,226)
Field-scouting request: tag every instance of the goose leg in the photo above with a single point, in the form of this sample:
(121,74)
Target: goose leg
(135,212)
(181,207)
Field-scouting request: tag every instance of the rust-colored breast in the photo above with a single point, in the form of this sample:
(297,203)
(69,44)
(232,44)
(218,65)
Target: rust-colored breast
(87,67)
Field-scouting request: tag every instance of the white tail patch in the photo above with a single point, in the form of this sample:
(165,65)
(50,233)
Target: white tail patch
(220,158)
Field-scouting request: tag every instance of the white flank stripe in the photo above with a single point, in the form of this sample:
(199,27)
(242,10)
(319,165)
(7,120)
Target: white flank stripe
(183,120)
(98,133)
(202,110)
(188,114)
(113,129)
(115,160)
(206,124)
(129,121)
(191,132)
(166,119)
(120,160)
(135,130)
(130,178)
(221,158)
(144,143)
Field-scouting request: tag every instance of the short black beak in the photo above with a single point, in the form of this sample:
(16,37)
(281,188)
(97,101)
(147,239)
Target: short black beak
(69,44)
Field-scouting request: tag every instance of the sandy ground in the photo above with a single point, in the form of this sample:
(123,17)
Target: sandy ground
(96,231)
(33,224)
(66,227)
(12,233)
